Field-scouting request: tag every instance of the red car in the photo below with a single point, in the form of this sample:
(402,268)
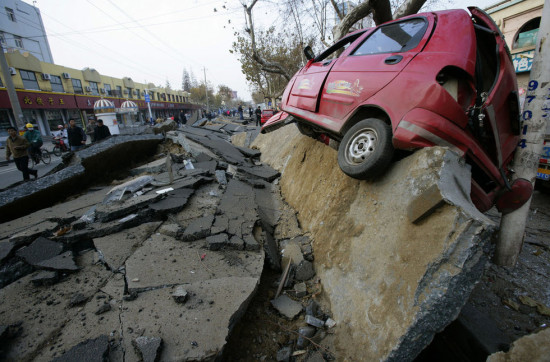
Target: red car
(441,78)
(266,114)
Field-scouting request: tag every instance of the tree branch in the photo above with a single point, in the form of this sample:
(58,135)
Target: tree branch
(408,8)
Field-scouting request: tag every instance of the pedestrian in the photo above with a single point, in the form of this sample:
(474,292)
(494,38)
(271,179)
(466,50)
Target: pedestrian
(35,141)
(250,112)
(90,129)
(101,131)
(183,119)
(258,113)
(17,146)
(241,112)
(77,137)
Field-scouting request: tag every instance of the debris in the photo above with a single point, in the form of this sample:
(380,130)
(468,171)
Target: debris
(316,322)
(286,306)
(105,307)
(130,186)
(44,277)
(180,295)
(216,242)
(188,165)
(77,299)
(307,332)
(40,250)
(220,177)
(300,289)
(88,217)
(284,354)
(329,323)
(90,350)
(62,262)
(148,347)
(304,271)
(127,218)
(282,282)
(198,228)
(163,191)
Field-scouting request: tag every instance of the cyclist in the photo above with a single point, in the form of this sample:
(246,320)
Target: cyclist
(35,141)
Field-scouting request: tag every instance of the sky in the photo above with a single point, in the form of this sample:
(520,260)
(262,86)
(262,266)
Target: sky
(154,41)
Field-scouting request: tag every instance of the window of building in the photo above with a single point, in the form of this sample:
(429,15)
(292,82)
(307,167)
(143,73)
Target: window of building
(107,89)
(137,93)
(10,14)
(2,38)
(18,41)
(130,95)
(29,79)
(77,86)
(527,34)
(57,86)
(118,92)
(95,88)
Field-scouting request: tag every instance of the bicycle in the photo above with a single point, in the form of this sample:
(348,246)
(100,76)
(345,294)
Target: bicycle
(42,155)
(60,146)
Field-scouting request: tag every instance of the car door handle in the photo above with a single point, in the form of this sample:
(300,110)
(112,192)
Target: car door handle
(394,59)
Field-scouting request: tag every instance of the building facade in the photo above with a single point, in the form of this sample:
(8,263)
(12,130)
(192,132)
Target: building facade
(519,21)
(51,94)
(21,29)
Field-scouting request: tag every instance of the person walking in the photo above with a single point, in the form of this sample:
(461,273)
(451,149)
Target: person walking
(90,129)
(101,131)
(17,146)
(258,113)
(182,118)
(35,141)
(77,137)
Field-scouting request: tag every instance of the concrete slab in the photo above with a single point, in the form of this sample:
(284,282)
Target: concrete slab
(156,166)
(117,247)
(221,148)
(197,330)
(391,284)
(48,314)
(173,202)
(210,166)
(128,205)
(93,350)
(62,262)
(6,249)
(164,261)
(198,228)
(41,249)
(264,172)
(44,228)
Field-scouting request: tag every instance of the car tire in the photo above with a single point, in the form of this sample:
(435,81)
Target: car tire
(366,149)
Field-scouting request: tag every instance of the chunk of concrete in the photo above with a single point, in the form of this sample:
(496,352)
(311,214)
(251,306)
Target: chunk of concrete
(198,228)
(31,233)
(41,249)
(174,201)
(91,350)
(293,251)
(44,278)
(173,230)
(62,262)
(533,347)
(149,348)
(216,242)
(209,166)
(180,295)
(304,271)
(410,280)
(6,248)
(264,172)
(286,306)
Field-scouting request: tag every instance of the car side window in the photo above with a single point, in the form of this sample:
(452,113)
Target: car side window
(394,38)
(338,48)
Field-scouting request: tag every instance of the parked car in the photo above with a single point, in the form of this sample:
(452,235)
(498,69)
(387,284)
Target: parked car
(267,114)
(441,78)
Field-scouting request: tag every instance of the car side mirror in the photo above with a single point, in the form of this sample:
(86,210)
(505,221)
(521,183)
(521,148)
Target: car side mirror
(308,52)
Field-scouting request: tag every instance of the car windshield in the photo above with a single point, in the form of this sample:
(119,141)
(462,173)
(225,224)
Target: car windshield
(395,37)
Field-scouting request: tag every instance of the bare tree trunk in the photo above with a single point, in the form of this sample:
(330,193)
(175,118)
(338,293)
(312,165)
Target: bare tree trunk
(408,8)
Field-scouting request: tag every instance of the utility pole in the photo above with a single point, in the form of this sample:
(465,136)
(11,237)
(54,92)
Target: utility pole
(536,115)
(12,94)
(206,90)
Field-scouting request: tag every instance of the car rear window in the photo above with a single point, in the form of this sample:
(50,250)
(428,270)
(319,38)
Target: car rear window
(393,38)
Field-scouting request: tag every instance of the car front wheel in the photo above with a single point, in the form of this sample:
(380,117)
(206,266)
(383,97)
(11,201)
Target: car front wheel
(366,149)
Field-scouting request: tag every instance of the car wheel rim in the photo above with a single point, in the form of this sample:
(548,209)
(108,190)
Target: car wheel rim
(361,146)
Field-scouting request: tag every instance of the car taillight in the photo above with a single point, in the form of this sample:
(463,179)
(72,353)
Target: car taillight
(458,86)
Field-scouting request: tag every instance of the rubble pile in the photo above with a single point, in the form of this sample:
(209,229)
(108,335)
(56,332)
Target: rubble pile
(162,265)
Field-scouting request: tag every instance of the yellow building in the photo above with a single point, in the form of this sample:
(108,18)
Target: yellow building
(51,94)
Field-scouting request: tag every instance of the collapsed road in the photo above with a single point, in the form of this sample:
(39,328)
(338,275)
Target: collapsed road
(196,255)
